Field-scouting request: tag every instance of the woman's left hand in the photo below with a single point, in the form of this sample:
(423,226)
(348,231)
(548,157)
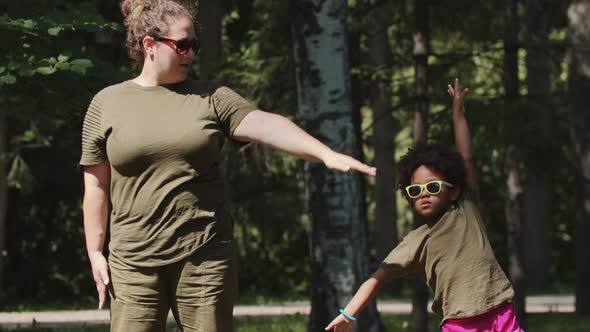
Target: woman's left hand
(343,163)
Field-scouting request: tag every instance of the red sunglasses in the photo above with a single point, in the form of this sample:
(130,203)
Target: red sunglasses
(182,46)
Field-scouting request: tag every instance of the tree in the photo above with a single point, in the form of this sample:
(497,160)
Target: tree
(419,320)
(338,231)
(3,191)
(380,59)
(538,187)
(210,13)
(513,162)
(579,89)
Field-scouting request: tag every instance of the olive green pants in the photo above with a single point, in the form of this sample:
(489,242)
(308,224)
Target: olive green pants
(200,290)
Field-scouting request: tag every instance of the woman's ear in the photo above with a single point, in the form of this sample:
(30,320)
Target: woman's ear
(456,193)
(148,45)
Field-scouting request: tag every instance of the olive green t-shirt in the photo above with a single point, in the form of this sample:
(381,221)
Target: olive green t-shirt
(454,257)
(164,146)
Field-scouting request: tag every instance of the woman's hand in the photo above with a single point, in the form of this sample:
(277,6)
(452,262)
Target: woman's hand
(343,163)
(340,324)
(458,96)
(100,273)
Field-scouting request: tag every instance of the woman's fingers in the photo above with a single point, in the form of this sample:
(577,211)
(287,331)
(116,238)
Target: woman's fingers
(344,163)
(360,167)
(100,272)
(102,280)
(102,294)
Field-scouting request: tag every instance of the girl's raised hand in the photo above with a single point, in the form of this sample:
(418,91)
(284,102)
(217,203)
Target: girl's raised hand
(458,96)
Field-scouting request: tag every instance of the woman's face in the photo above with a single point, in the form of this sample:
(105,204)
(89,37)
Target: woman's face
(427,205)
(170,66)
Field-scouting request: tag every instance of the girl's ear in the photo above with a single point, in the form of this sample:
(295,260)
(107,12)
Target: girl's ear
(456,193)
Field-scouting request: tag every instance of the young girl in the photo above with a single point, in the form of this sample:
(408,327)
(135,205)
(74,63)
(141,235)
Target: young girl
(451,251)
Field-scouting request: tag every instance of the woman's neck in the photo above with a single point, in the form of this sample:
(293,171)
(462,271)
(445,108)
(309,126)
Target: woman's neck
(147,80)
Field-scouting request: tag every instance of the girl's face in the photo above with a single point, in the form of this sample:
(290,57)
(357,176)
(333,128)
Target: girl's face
(169,65)
(432,206)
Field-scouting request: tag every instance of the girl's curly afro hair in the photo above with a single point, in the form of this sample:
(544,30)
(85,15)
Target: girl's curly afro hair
(436,156)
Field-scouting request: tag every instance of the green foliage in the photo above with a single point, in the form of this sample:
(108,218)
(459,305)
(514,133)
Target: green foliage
(33,45)
(49,70)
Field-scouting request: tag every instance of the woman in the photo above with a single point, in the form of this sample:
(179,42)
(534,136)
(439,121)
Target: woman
(152,146)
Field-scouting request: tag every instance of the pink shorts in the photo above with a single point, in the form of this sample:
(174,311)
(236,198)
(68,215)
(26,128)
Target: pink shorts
(499,319)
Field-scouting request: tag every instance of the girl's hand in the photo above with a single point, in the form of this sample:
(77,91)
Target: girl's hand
(340,324)
(343,163)
(458,97)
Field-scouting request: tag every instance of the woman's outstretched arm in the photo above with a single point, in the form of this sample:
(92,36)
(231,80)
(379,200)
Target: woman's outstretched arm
(282,134)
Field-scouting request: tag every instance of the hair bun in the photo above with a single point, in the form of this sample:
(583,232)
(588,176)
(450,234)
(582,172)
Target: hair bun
(128,7)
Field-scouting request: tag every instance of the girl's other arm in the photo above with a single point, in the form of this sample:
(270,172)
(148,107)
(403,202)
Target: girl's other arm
(365,293)
(462,134)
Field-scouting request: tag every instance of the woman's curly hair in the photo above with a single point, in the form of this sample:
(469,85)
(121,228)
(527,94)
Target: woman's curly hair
(146,18)
(436,156)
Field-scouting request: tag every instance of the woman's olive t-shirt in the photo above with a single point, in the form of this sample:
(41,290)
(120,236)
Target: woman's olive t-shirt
(163,145)
(454,257)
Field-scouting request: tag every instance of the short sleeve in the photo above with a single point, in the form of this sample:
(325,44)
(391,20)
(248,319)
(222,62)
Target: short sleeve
(93,138)
(403,259)
(231,108)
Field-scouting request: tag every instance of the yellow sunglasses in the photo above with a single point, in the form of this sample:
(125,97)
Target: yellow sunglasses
(432,187)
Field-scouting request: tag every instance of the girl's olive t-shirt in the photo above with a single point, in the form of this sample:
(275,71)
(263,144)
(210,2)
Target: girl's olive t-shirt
(454,257)
(163,145)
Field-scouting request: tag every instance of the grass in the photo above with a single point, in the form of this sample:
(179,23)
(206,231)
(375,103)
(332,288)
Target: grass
(537,322)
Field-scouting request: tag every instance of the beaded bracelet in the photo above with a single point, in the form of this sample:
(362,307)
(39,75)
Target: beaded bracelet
(349,317)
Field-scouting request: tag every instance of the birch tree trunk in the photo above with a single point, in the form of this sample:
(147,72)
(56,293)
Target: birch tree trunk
(579,86)
(338,232)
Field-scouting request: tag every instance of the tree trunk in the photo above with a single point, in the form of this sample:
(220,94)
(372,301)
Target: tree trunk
(537,196)
(210,13)
(386,235)
(3,195)
(513,204)
(513,212)
(357,103)
(419,320)
(579,86)
(338,231)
